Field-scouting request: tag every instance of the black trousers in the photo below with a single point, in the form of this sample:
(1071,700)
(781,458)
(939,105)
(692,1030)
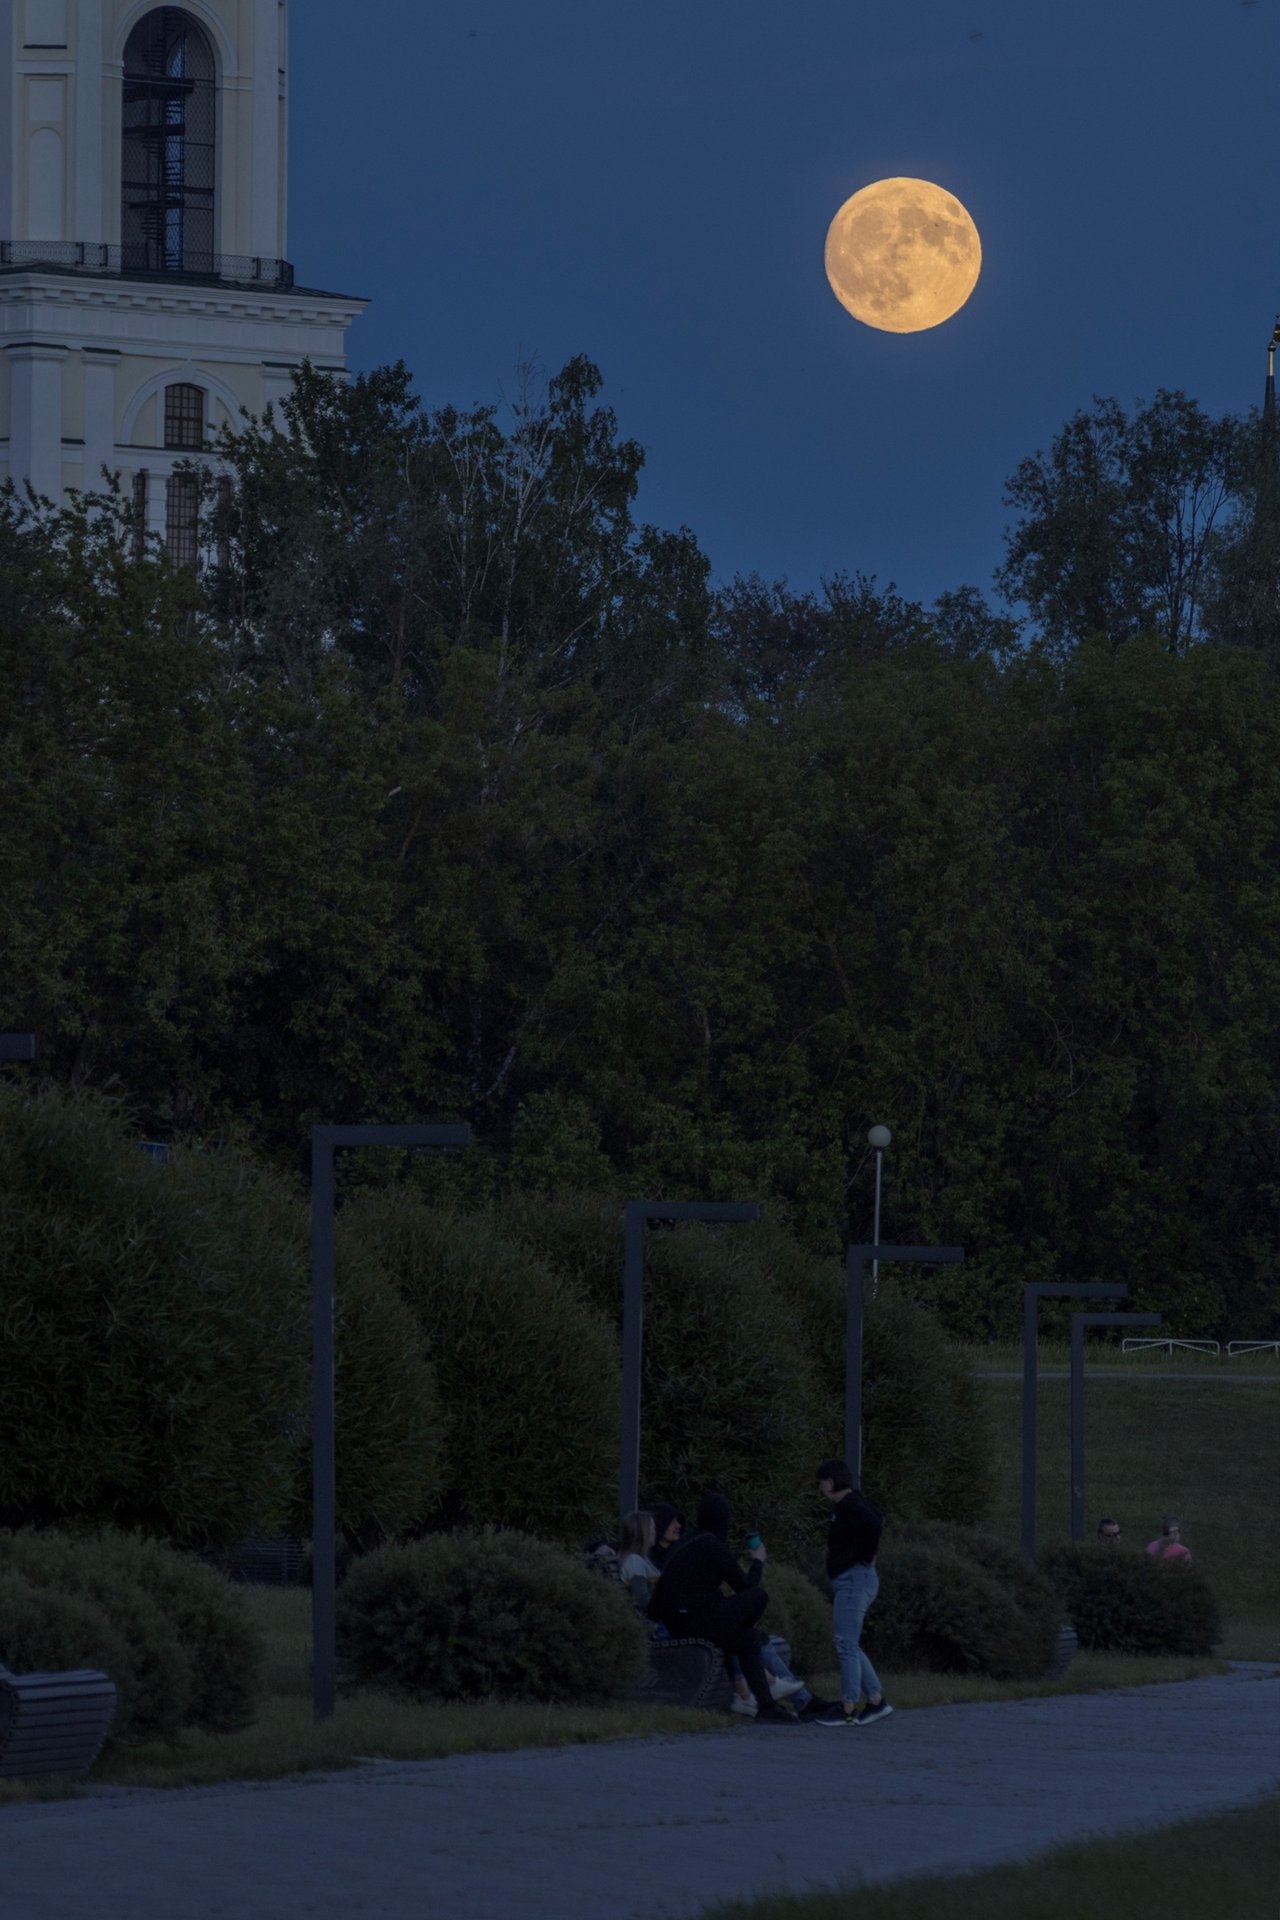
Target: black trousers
(731,1624)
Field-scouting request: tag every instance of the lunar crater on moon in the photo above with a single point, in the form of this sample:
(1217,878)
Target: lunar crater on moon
(903,255)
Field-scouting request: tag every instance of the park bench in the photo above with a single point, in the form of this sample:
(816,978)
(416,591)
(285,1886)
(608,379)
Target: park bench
(684,1673)
(53,1722)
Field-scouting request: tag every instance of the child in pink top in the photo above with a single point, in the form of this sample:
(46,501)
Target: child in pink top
(1169,1544)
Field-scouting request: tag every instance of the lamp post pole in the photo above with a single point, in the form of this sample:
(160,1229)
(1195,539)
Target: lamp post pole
(878,1138)
(1032,1293)
(325,1141)
(1079,1321)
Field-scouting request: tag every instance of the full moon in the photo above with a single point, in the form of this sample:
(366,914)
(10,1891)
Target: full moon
(903,255)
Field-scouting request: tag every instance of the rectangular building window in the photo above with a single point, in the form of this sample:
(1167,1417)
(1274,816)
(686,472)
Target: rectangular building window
(184,417)
(140,480)
(182,519)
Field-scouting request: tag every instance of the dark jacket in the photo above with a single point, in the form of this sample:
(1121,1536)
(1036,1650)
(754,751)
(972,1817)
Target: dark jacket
(700,1564)
(855,1534)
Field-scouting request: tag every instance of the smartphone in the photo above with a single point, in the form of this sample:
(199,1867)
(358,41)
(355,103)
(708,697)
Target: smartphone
(753,1541)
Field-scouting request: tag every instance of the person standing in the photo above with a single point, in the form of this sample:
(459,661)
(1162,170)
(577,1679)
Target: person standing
(852,1545)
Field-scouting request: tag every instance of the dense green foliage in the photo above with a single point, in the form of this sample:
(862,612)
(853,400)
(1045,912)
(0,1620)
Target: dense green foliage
(178,1640)
(1120,1601)
(154,1670)
(151,1331)
(43,1630)
(1038,1604)
(527,1367)
(155,1342)
(468,1616)
(212,1620)
(457,794)
(940,1611)
(802,1616)
(743,1384)
(956,1601)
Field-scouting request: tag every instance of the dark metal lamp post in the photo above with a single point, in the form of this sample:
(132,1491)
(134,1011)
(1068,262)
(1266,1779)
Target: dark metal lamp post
(1032,1293)
(1079,1321)
(324,1143)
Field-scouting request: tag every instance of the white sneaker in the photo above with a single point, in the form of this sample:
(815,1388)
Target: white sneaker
(739,1705)
(783,1689)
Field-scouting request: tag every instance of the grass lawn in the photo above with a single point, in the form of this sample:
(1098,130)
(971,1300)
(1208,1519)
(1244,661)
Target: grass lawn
(1227,1864)
(1207,1448)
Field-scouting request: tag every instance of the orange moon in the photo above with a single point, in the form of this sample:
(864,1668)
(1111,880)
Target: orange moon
(903,255)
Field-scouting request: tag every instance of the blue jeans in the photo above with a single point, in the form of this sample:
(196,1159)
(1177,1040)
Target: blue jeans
(772,1662)
(854,1590)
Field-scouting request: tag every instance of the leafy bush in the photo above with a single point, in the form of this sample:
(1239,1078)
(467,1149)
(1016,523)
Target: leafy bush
(731,1396)
(154,1679)
(153,1339)
(211,1619)
(1124,1602)
(1033,1595)
(750,1399)
(940,1611)
(802,1616)
(465,1616)
(527,1368)
(45,1631)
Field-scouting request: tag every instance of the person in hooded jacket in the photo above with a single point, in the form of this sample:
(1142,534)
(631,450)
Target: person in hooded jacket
(690,1600)
(668,1525)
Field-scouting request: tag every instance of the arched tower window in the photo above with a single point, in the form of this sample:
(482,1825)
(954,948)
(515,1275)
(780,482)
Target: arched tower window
(167,171)
(184,416)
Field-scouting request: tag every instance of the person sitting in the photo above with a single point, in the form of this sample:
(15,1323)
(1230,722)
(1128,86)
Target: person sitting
(689,1600)
(1168,1546)
(668,1525)
(635,1568)
(1108,1533)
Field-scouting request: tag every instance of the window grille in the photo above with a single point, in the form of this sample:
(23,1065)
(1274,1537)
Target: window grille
(184,416)
(140,514)
(167,158)
(182,519)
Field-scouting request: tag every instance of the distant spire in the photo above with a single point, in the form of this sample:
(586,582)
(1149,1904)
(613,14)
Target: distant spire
(1270,439)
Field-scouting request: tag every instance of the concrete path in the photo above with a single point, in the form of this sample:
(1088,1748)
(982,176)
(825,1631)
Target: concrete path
(641,1828)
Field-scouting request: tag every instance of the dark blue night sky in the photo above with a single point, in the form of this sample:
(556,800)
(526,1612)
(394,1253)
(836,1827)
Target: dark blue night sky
(650,182)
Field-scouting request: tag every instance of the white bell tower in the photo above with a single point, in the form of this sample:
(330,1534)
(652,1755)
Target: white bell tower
(145,293)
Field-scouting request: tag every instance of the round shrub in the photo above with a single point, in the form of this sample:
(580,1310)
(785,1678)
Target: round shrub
(45,1631)
(389,1425)
(527,1368)
(211,1619)
(154,1684)
(467,1616)
(731,1395)
(1033,1595)
(941,1612)
(153,1340)
(802,1616)
(1124,1602)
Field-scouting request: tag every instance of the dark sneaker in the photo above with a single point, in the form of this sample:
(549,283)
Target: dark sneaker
(870,1715)
(838,1718)
(772,1716)
(818,1709)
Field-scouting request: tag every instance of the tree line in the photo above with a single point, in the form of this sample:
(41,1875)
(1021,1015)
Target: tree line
(449,790)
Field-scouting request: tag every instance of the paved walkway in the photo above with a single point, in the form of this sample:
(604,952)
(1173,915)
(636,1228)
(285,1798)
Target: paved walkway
(650,1827)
